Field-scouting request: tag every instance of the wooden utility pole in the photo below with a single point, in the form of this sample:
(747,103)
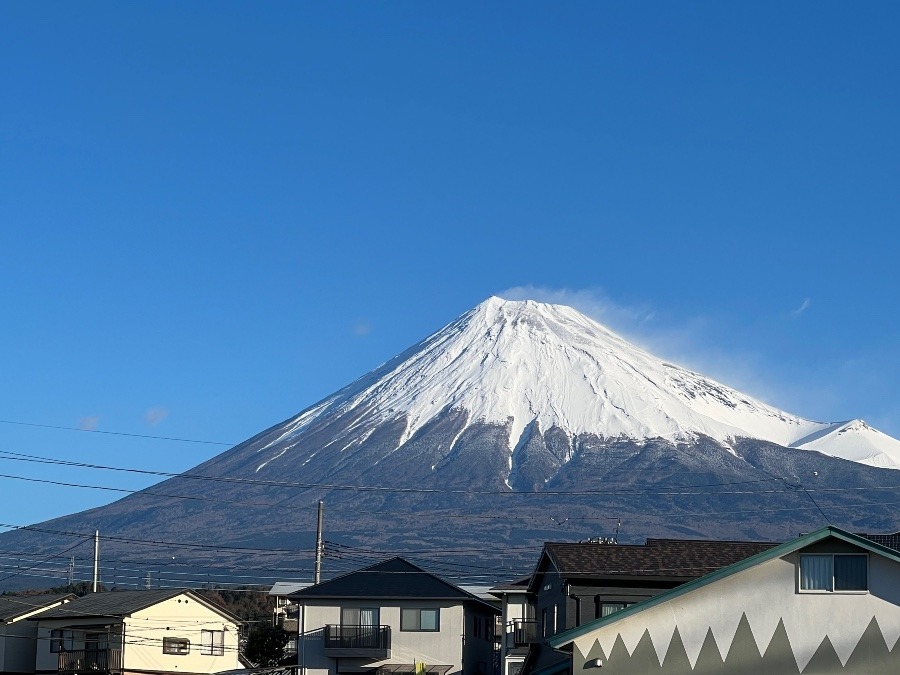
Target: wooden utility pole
(318,575)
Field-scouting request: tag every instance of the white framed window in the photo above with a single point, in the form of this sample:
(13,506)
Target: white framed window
(423,620)
(834,572)
(176,646)
(364,617)
(212,642)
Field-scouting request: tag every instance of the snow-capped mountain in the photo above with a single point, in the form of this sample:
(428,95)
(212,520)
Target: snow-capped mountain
(527,365)
(518,423)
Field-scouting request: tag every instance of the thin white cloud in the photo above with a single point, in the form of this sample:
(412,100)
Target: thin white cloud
(591,301)
(89,423)
(690,343)
(155,415)
(802,308)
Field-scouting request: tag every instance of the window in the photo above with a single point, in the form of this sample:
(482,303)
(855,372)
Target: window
(420,619)
(179,646)
(834,572)
(607,608)
(360,616)
(212,642)
(544,622)
(61,640)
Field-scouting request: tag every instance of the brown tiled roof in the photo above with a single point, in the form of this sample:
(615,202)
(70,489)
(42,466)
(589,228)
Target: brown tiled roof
(658,557)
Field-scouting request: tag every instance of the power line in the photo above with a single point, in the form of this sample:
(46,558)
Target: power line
(115,433)
(15,456)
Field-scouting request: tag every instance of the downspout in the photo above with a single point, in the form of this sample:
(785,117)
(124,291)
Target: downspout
(302,639)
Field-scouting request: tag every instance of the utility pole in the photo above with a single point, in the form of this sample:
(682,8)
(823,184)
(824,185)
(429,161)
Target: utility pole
(318,575)
(71,572)
(96,558)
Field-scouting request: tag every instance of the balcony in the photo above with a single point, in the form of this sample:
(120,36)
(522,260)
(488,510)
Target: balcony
(521,632)
(365,641)
(93,661)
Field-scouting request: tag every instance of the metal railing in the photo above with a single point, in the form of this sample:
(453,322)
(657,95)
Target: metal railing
(90,661)
(357,637)
(522,631)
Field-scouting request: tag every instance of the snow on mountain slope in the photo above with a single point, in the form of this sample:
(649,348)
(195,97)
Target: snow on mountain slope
(854,440)
(517,362)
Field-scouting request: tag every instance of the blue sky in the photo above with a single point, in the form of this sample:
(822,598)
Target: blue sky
(215,214)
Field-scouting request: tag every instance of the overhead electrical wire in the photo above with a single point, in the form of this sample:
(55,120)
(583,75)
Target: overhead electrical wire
(114,433)
(16,456)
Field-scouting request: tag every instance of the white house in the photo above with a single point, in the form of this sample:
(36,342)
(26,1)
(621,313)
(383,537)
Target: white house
(148,631)
(393,617)
(827,602)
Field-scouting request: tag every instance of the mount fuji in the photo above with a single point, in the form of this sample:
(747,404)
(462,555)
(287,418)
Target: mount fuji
(530,367)
(518,422)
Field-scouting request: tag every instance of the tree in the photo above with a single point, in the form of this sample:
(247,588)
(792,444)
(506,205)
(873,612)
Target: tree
(265,645)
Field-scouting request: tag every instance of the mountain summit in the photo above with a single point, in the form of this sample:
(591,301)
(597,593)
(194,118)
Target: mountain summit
(528,366)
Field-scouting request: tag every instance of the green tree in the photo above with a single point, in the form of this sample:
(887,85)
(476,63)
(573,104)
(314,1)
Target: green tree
(265,645)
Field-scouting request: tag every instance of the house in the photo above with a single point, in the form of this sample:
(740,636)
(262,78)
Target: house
(18,637)
(518,629)
(574,583)
(393,617)
(826,602)
(147,631)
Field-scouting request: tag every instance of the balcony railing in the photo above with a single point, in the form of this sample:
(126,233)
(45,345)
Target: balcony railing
(374,641)
(522,632)
(93,661)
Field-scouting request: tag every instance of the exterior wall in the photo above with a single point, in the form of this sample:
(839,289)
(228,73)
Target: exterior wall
(584,598)
(757,620)
(478,646)
(570,605)
(443,647)
(142,645)
(18,647)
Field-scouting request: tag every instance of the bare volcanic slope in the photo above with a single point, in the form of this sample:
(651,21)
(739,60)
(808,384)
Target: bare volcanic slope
(518,422)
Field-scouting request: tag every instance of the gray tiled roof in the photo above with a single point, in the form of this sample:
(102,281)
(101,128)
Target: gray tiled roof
(12,606)
(110,603)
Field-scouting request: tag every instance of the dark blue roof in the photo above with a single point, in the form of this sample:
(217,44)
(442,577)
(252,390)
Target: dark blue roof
(394,578)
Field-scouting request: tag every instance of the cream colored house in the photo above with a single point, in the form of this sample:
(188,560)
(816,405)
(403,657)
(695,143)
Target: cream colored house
(18,636)
(150,631)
